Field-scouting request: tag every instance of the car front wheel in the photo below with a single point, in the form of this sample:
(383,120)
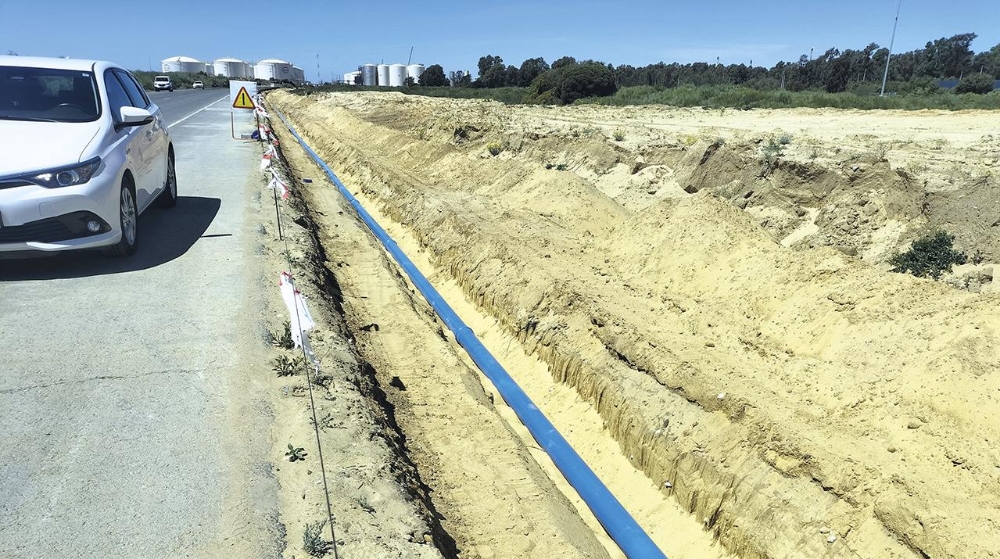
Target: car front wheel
(129,223)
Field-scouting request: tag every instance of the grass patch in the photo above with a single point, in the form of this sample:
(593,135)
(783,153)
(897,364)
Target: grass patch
(720,97)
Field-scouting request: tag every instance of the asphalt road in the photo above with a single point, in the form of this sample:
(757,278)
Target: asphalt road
(131,426)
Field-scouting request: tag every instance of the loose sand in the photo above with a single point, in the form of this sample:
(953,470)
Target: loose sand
(800,400)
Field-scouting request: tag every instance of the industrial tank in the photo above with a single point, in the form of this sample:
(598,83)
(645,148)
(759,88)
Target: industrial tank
(415,71)
(298,75)
(397,75)
(231,68)
(350,77)
(182,64)
(383,75)
(273,69)
(369,75)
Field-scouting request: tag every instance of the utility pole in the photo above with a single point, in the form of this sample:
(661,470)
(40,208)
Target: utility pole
(892,41)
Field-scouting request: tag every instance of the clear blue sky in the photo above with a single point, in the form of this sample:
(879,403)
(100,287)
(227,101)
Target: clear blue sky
(455,34)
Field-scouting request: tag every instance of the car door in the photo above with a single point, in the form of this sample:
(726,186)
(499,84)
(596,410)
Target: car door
(155,152)
(137,144)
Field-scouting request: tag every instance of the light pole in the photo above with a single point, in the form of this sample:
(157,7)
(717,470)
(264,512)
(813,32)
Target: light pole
(891,42)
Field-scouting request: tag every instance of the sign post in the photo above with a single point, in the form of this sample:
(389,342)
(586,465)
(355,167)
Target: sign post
(241,93)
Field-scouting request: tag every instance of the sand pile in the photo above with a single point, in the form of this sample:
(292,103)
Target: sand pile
(800,402)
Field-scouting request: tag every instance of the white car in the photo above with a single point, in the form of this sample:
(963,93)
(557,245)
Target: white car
(83,152)
(161,83)
(197,85)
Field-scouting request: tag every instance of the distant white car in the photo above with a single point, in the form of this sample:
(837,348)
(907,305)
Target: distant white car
(162,82)
(83,152)
(197,85)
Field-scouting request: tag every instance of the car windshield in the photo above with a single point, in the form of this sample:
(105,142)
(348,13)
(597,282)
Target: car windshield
(44,94)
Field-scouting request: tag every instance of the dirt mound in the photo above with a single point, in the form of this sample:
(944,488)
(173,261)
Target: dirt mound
(800,402)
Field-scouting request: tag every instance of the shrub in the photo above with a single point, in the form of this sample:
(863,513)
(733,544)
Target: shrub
(619,135)
(976,83)
(495,148)
(590,79)
(285,367)
(930,255)
(312,539)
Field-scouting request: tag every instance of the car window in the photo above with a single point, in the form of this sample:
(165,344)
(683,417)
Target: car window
(134,92)
(117,97)
(47,94)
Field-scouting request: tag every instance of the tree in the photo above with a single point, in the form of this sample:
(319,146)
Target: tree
(838,74)
(976,83)
(590,79)
(459,79)
(495,76)
(564,61)
(488,63)
(531,69)
(510,76)
(433,76)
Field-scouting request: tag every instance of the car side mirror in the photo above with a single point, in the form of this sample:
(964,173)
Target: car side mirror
(134,116)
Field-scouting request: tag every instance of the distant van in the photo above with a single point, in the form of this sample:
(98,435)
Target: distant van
(162,82)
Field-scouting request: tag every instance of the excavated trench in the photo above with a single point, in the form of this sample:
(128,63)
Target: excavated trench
(792,401)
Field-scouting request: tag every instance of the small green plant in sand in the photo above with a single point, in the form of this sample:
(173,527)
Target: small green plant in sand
(285,366)
(494,148)
(619,135)
(312,539)
(296,453)
(283,338)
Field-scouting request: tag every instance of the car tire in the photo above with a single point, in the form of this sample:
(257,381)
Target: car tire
(168,198)
(128,220)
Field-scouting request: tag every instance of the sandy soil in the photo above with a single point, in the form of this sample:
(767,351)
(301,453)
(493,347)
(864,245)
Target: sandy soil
(380,504)
(799,400)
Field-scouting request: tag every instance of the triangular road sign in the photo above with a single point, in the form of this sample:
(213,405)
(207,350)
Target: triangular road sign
(243,100)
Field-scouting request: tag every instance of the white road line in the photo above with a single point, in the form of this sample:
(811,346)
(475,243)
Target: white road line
(171,125)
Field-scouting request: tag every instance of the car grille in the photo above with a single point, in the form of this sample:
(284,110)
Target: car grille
(45,231)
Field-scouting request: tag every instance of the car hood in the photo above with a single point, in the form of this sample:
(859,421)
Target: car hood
(31,146)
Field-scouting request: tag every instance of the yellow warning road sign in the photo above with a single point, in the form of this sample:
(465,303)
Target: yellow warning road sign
(243,100)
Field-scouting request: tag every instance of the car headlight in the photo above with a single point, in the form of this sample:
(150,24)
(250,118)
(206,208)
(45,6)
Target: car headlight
(67,176)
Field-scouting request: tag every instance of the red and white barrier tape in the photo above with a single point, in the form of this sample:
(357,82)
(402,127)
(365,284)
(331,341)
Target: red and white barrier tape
(280,185)
(300,320)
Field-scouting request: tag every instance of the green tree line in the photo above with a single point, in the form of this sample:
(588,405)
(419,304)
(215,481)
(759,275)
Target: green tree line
(834,71)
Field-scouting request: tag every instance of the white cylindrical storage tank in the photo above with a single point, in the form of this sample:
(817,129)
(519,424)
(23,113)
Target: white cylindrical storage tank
(231,68)
(415,71)
(383,75)
(273,69)
(298,75)
(397,75)
(171,65)
(183,64)
(369,75)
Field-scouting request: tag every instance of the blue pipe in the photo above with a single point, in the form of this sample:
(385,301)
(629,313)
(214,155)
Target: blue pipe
(620,525)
